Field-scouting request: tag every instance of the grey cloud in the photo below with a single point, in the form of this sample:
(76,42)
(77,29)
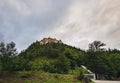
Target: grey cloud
(1,37)
(24,21)
(76,22)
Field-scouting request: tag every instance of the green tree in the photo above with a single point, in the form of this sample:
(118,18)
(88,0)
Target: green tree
(96,46)
(7,52)
(62,65)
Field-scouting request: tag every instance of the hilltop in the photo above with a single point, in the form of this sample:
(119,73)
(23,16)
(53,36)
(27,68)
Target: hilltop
(52,55)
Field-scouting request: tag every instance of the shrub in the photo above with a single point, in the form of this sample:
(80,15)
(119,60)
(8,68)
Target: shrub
(82,73)
(24,74)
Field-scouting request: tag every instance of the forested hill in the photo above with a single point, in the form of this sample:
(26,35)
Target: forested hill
(60,58)
(52,57)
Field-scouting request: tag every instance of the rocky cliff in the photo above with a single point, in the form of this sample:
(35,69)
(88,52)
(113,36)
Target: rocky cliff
(49,40)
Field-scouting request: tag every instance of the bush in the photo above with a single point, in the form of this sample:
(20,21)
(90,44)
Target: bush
(75,71)
(24,74)
(81,76)
(82,73)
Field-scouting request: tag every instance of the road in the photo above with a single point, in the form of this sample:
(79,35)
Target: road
(104,81)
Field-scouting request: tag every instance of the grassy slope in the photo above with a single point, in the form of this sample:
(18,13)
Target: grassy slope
(37,77)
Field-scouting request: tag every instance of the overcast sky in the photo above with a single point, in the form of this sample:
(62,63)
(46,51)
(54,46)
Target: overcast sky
(75,22)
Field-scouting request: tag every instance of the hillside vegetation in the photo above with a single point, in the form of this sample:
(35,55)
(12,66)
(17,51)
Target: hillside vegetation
(37,77)
(61,58)
(53,57)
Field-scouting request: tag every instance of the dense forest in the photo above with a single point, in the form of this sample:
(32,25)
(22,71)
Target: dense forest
(61,58)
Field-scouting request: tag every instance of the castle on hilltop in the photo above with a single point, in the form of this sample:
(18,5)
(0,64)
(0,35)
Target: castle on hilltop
(49,40)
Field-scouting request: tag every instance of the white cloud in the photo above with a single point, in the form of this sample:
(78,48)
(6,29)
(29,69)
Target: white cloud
(90,20)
